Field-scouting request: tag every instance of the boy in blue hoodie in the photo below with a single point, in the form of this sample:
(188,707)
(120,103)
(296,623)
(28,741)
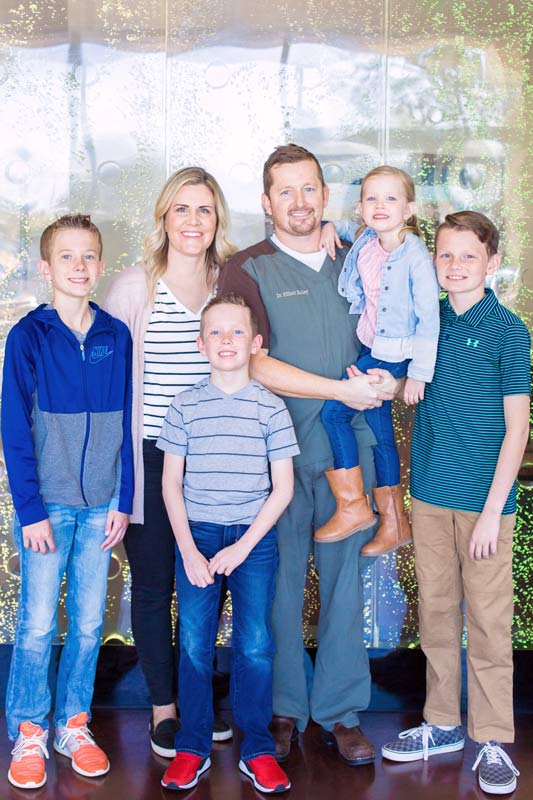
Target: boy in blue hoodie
(66,415)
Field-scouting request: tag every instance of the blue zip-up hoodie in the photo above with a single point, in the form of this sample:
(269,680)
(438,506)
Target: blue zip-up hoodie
(66,414)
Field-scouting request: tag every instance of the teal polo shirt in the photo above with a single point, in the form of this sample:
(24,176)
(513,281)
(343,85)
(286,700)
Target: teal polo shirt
(483,356)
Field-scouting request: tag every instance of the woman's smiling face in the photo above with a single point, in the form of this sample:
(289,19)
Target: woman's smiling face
(191,220)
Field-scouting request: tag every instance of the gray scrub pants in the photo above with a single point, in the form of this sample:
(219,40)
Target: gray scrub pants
(340,684)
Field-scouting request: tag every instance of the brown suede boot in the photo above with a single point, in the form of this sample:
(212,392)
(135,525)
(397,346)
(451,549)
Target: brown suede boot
(394,528)
(353,512)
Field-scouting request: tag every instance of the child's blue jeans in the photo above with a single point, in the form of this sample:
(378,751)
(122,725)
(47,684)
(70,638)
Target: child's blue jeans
(336,418)
(252,586)
(78,536)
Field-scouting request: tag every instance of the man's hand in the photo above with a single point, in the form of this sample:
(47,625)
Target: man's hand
(197,569)
(115,528)
(358,392)
(228,559)
(484,539)
(329,238)
(367,390)
(413,391)
(39,536)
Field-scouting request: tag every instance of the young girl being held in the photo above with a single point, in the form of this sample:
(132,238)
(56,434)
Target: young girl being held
(389,279)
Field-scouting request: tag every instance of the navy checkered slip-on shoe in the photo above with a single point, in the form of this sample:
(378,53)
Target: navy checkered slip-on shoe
(496,773)
(426,740)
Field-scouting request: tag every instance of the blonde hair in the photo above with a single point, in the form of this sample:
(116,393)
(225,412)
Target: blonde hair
(156,243)
(412,225)
(230,299)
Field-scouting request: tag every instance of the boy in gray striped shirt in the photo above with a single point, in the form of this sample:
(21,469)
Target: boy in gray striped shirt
(223,506)
(468,442)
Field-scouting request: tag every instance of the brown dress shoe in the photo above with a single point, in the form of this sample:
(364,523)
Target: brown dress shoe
(351,744)
(284,732)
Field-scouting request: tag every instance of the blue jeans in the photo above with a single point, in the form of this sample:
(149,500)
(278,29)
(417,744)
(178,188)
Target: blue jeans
(336,419)
(252,591)
(78,536)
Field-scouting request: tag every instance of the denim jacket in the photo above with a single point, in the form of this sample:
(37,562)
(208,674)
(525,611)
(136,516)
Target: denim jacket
(408,308)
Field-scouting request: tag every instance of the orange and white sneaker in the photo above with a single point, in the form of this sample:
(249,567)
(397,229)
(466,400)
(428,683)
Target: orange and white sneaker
(75,741)
(27,770)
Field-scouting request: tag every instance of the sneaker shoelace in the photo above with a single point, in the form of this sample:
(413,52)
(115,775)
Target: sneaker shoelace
(424,731)
(30,746)
(495,755)
(82,737)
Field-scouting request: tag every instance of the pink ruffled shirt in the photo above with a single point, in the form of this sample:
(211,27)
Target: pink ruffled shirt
(370,264)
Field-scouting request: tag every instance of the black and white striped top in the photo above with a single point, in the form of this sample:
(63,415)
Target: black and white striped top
(172,361)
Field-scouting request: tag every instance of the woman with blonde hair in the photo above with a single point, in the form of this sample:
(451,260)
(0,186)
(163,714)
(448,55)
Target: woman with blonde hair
(160,300)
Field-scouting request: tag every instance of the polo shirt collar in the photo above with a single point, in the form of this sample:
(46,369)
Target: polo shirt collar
(475,315)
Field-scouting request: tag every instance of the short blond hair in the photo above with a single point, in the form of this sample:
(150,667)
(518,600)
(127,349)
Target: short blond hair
(68,222)
(230,299)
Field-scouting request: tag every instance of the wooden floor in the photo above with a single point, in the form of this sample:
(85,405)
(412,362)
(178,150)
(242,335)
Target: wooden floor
(316,772)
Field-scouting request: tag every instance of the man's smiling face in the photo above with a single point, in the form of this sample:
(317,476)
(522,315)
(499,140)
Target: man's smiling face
(296,201)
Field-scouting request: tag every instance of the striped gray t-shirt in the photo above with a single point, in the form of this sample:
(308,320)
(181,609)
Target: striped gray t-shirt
(228,441)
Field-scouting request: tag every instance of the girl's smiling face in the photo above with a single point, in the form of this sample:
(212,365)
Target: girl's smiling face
(384,206)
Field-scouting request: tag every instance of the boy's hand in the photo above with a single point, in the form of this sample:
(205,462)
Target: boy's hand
(39,536)
(329,238)
(197,569)
(115,528)
(483,542)
(228,559)
(413,391)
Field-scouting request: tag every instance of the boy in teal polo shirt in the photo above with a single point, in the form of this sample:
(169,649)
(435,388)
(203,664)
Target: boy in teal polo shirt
(468,441)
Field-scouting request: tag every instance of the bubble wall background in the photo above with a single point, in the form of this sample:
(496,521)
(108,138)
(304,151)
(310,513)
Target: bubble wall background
(101,100)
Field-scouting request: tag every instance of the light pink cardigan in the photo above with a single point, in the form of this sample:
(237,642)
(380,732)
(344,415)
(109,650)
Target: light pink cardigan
(127,298)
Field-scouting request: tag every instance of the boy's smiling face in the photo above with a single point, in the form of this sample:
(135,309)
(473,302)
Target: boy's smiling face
(74,266)
(463,263)
(227,338)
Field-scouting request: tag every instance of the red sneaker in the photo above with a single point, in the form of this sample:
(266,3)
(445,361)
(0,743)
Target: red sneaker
(184,771)
(266,774)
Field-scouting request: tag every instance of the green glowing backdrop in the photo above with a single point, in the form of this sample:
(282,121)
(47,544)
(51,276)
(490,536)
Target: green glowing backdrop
(102,100)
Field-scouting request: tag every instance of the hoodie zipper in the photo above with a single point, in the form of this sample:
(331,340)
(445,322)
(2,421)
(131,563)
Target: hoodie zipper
(87,421)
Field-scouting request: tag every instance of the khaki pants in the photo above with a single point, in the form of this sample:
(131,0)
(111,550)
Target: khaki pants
(446,576)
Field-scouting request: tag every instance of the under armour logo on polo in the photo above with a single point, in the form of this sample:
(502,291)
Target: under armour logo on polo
(472,342)
(99,352)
